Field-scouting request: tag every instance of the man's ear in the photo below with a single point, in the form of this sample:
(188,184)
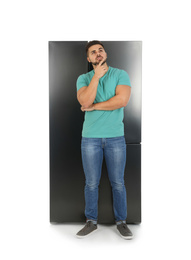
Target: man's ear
(88,59)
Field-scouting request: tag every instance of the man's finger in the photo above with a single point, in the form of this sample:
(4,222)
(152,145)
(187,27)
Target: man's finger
(101,62)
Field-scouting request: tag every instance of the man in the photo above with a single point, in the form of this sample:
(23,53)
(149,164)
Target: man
(103,93)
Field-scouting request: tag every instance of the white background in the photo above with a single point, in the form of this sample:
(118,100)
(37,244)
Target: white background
(164,29)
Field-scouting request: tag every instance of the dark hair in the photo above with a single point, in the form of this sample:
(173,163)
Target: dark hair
(91,44)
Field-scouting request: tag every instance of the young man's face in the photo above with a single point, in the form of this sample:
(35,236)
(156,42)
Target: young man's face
(96,53)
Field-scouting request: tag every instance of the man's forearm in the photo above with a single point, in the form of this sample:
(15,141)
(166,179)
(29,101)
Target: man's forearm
(111,104)
(88,96)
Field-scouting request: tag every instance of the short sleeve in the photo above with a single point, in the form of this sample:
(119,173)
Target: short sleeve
(81,82)
(124,78)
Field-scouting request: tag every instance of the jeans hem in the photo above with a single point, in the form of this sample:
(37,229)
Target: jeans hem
(120,221)
(92,220)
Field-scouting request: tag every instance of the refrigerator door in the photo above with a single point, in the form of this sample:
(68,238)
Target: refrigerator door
(67,60)
(127,55)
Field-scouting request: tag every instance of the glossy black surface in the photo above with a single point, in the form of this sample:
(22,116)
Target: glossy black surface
(67,60)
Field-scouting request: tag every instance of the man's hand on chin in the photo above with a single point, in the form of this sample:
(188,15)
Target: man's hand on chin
(90,108)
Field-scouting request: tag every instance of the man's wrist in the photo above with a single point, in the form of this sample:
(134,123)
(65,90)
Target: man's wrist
(95,106)
(96,77)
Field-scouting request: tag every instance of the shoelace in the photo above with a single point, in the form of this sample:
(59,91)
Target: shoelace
(124,226)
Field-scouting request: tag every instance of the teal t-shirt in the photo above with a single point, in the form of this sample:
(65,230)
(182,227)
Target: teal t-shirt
(104,123)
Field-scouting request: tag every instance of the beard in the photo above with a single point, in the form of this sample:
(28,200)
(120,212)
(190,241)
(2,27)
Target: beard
(96,63)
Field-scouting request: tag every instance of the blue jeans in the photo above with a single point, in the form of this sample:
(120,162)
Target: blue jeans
(114,151)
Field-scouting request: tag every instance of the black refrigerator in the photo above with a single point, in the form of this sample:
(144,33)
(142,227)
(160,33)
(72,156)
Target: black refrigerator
(67,60)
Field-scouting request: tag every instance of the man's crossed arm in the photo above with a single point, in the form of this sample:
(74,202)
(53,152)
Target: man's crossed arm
(121,99)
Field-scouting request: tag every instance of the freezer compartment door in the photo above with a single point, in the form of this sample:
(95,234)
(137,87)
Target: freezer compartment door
(67,190)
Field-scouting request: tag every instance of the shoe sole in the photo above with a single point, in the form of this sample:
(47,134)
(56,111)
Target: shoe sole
(125,237)
(81,237)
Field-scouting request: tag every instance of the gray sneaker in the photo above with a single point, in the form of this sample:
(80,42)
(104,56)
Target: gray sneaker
(124,231)
(87,230)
